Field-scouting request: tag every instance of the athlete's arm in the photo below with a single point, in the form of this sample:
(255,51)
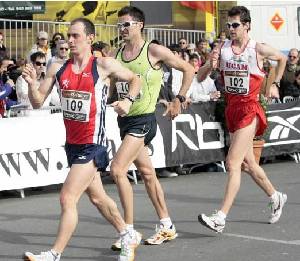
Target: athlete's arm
(36,95)
(160,54)
(267,51)
(211,63)
(113,69)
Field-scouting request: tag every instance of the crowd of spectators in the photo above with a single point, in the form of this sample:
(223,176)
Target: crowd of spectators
(14,91)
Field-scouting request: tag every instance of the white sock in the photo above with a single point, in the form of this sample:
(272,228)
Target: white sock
(56,254)
(274,196)
(166,222)
(221,214)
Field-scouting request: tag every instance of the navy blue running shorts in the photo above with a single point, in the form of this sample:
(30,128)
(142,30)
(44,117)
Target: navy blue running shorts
(141,126)
(84,153)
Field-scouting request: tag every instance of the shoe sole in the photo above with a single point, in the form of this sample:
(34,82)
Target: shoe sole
(164,241)
(206,225)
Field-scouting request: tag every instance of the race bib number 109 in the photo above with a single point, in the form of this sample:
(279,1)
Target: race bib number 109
(76,105)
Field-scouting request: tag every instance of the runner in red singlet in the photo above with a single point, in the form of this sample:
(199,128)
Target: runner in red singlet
(240,61)
(83,86)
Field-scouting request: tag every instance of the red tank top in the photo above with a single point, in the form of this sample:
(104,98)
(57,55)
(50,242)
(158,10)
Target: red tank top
(241,74)
(83,98)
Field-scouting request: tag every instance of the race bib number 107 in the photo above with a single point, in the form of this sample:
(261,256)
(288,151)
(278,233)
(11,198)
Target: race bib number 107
(76,105)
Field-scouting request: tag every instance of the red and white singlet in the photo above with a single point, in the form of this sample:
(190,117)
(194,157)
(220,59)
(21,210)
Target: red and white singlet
(83,98)
(242,81)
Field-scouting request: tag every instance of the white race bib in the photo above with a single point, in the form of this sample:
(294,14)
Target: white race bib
(236,82)
(76,105)
(122,89)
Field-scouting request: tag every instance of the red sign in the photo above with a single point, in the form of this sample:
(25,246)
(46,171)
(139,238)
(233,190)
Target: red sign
(277,21)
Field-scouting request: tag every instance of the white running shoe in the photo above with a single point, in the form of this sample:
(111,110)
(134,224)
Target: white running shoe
(276,207)
(129,243)
(117,245)
(213,222)
(43,256)
(162,235)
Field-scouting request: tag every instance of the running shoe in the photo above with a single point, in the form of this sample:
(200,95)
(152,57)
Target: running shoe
(117,245)
(162,235)
(213,222)
(43,256)
(128,246)
(276,207)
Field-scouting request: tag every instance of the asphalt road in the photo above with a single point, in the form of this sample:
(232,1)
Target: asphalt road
(31,223)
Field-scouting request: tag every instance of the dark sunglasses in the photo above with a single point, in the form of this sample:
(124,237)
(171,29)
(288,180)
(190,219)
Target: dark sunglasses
(291,56)
(40,64)
(57,38)
(233,25)
(62,48)
(182,42)
(126,24)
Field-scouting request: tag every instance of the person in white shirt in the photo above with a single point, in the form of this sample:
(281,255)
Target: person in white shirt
(38,60)
(42,45)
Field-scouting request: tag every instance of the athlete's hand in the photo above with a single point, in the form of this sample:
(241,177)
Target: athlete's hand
(29,74)
(214,57)
(122,107)
(273,92)
(173,109)
(187,103)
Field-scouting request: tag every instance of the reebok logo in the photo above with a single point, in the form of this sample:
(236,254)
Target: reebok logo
(283,127)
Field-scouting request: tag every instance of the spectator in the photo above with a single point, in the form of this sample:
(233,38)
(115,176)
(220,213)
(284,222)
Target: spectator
(2,47)
(270,74)
(291,67)
(6,86)
(202,50)
(38,60)
(100,49)
(183,51)
(62,53)
(294,88)
(222,37)
(201,91)
(53,43)
(41,46)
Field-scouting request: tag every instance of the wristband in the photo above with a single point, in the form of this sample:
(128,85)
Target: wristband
(277,84)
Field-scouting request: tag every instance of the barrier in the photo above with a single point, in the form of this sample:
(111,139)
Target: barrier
(20,35)
(32,148)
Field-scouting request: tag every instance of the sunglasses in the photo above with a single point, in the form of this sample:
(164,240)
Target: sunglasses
(40,64)
(126,24)
(291,56)
(182,42)
(233,25)
(62,48)
(56,39)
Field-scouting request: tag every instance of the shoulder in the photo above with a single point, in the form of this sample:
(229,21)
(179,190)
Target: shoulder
(157,50)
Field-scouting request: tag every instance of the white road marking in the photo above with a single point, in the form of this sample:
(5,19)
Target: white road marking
(286,242)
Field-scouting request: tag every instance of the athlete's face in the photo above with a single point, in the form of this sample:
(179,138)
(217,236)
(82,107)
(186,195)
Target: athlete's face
(79,42)
(129,28)
(236,28)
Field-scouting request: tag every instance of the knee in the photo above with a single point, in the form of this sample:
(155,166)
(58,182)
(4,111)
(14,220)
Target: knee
(97,201)
(252,165)
(148,174)
(116,170)
(67,200)
(232,165)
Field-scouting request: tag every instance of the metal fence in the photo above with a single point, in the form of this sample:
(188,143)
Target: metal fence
(20,35)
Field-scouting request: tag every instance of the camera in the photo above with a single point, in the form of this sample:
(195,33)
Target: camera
(12,73)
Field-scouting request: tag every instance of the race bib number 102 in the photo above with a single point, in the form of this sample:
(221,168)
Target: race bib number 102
(76,105)
(236,82)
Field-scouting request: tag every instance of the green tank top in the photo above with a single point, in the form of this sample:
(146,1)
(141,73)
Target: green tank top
(151,82)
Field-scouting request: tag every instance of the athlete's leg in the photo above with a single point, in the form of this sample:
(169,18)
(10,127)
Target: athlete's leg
(126,154)
(106,206)
(258,174)
(78,179)
(241,142)
(153,187)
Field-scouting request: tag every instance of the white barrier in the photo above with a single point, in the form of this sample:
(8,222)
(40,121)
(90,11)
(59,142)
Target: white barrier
(32,150)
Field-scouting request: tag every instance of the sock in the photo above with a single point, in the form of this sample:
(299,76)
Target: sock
(166,222)
(54,253)
(221,214)
(274,196)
